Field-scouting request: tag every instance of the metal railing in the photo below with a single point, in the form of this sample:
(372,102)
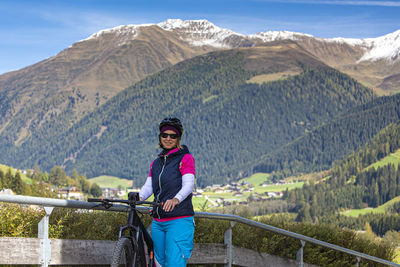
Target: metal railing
(50,203)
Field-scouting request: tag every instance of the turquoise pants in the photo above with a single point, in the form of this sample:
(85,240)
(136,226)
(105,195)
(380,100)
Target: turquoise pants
(173,241)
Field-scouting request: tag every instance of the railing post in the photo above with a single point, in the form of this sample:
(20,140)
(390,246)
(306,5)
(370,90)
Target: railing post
(229,246)
(358,261)
(299,254)
(43,235)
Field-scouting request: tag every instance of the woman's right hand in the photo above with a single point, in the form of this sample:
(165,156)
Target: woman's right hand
(170,204)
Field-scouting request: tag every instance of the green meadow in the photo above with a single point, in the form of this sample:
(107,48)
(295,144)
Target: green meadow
(111,181)
(380,209)
(5,168)
(256,179)
(393,158)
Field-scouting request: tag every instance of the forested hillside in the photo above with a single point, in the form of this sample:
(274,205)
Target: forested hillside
(333,140)
(351,184)
(229,123)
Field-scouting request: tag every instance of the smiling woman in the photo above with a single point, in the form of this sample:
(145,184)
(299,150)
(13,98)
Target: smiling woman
(171,180)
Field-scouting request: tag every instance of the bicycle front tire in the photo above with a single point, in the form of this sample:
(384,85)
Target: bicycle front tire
(124,253)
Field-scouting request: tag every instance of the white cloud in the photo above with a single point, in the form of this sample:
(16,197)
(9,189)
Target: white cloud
(338,2)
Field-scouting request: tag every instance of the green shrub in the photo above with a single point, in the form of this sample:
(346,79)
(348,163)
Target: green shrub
(22,221)
(19,220)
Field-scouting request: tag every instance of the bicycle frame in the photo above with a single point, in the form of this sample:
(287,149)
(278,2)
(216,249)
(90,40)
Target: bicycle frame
(134,229)
(138,231)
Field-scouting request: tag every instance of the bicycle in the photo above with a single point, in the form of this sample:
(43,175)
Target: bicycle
(130,249)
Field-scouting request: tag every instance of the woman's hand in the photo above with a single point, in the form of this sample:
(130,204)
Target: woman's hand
(170,204)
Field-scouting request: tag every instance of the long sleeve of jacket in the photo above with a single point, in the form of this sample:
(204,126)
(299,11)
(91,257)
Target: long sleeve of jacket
(187,186)
(147,189)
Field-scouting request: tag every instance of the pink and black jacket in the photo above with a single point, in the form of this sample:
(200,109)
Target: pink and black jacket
(167,181)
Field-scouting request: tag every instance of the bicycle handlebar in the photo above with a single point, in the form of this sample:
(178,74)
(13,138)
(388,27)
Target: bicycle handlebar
(125,201)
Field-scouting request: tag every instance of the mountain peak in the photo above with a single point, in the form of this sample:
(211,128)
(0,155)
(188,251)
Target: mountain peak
(171,24)
(199,32)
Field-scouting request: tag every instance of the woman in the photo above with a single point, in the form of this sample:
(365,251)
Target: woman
(171,180)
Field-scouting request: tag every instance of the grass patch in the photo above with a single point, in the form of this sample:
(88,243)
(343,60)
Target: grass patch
(393,158)
(25,178)
(278,188)
(256,179)
(377,210)
(111,181)
(264,78)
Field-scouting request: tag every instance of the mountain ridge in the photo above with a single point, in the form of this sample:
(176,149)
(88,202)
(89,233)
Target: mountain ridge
(370,60)
(204,32)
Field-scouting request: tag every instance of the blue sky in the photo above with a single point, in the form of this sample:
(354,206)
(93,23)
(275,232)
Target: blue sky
(31,31)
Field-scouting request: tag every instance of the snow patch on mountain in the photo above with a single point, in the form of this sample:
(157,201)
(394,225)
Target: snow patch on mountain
(341,40)
(199,32)
(271,36)
(384,47)
(125,32)
(122,29)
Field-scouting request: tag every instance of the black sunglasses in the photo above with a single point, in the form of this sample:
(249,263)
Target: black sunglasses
(165,135)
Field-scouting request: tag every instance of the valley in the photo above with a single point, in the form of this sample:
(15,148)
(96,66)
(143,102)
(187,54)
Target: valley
(283,126)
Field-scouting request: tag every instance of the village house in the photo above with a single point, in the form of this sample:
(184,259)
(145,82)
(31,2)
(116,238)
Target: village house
(6,192)
(108,192)
(72,192)
(274,194)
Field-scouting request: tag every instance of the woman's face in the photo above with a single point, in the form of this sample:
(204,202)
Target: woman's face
(168,142)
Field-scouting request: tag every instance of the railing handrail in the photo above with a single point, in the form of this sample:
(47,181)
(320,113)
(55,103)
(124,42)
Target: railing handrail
(52,202)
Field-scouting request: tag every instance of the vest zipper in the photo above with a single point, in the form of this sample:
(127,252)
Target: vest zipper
(159,183)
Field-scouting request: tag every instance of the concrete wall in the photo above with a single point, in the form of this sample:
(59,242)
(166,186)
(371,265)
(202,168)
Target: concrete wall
(16,250)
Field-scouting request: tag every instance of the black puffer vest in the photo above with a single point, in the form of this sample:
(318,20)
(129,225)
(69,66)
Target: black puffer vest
(167,181)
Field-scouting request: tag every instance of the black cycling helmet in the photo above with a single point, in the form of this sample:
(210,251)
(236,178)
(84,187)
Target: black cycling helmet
(174,122)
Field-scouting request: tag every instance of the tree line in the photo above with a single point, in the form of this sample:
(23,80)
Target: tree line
(46,184)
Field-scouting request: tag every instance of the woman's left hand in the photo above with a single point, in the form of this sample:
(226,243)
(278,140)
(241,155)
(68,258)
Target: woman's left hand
(170,204)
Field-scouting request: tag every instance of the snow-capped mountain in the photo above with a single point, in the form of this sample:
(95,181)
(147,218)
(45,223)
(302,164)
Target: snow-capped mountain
(205,33)
(200,32)
(386,47)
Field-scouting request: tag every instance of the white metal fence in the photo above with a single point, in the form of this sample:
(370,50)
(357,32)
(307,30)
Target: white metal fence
(213,253)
